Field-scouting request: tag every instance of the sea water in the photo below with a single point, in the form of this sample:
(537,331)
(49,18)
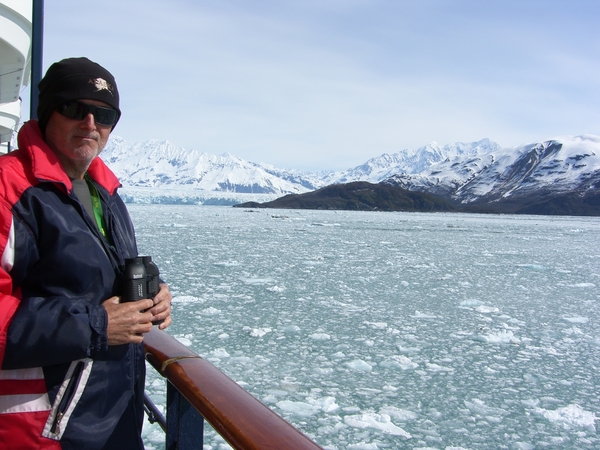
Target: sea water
(372,330)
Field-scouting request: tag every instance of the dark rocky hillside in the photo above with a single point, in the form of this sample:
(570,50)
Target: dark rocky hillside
(359,196)
(364,196)
(543,203)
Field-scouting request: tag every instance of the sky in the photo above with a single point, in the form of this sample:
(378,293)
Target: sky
(328,84)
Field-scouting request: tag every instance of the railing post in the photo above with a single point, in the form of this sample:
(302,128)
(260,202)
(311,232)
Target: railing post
(185,425)
(37,54)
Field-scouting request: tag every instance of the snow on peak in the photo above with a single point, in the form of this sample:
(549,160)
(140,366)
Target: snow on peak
(159,163)
(463,170)
(561,164)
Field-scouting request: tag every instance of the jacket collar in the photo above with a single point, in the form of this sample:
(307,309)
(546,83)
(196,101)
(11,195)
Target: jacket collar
(46,165)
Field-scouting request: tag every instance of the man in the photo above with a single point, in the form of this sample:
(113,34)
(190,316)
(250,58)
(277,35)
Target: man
(71,356)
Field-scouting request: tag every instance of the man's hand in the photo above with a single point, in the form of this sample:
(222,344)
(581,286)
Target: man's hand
(126,321)
(162,307)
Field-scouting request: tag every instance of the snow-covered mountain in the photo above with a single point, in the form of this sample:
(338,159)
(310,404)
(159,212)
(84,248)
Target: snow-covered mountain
(162,164)
(467,173)
(565,165)
(410,161)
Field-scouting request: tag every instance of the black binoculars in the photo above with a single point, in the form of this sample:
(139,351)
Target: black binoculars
(140,280)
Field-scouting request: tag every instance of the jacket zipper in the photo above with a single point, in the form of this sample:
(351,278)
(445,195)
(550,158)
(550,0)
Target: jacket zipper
(113,243)
(65,401)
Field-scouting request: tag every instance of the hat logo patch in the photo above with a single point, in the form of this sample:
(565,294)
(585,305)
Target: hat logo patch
(100,84)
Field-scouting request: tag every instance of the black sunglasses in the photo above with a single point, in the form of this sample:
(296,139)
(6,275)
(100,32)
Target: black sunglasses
(78,110)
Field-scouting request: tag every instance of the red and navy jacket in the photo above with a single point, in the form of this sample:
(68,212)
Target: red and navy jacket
(61,385)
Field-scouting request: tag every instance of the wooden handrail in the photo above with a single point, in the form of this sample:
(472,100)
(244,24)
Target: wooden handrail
(243,421)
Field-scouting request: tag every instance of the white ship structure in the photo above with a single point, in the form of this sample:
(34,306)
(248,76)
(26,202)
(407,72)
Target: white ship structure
(16,32)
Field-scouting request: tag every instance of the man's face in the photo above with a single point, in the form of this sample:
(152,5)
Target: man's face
(76,142)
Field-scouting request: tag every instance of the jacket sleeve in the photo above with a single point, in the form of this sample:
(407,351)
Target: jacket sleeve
(39,331)
(47,331)
(8,302)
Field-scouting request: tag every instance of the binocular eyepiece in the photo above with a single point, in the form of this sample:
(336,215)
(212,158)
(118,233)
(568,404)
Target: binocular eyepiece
(140,280)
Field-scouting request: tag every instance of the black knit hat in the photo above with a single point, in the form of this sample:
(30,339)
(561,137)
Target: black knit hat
(75,79)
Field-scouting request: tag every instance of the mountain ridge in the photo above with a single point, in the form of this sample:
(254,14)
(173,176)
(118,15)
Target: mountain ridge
(479,175)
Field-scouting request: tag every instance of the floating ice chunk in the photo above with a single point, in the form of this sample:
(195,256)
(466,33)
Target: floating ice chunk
(577,319)
(479,407)
(524,446)
(275,289)
(360,365)
(582,285)
(321,224)
(517,322)
(420,315)
(571,416)
(320,336)
(210,311)
(291,328)
(471,303)
(397,413)
(152,436)
(323,370)
(227,264)
(327,404)
(368,391)
(310,407)
(380,422)
(532,266)
(312,263)
(220,353)
(257,280)
(355,409)
(487,309)
(257,332)
(245,360)
(363,446)
(187,299)
(223,336)
(277,392)
(402,349)
(532,402)
(501,337)
(176,225)
(298,408)
(377,325)
(437,368)
(399,362)
(575,331)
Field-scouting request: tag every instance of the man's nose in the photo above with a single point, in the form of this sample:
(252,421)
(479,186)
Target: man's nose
(89,122)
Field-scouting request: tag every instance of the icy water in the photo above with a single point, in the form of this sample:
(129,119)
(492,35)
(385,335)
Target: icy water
(391,330)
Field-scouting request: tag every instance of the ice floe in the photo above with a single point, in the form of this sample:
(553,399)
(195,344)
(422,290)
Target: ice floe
(571,416)
(309,407)
(498,337)
(577,319)
(257,332)
(380,422)
(320,336)
(359,365)
(399,362)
